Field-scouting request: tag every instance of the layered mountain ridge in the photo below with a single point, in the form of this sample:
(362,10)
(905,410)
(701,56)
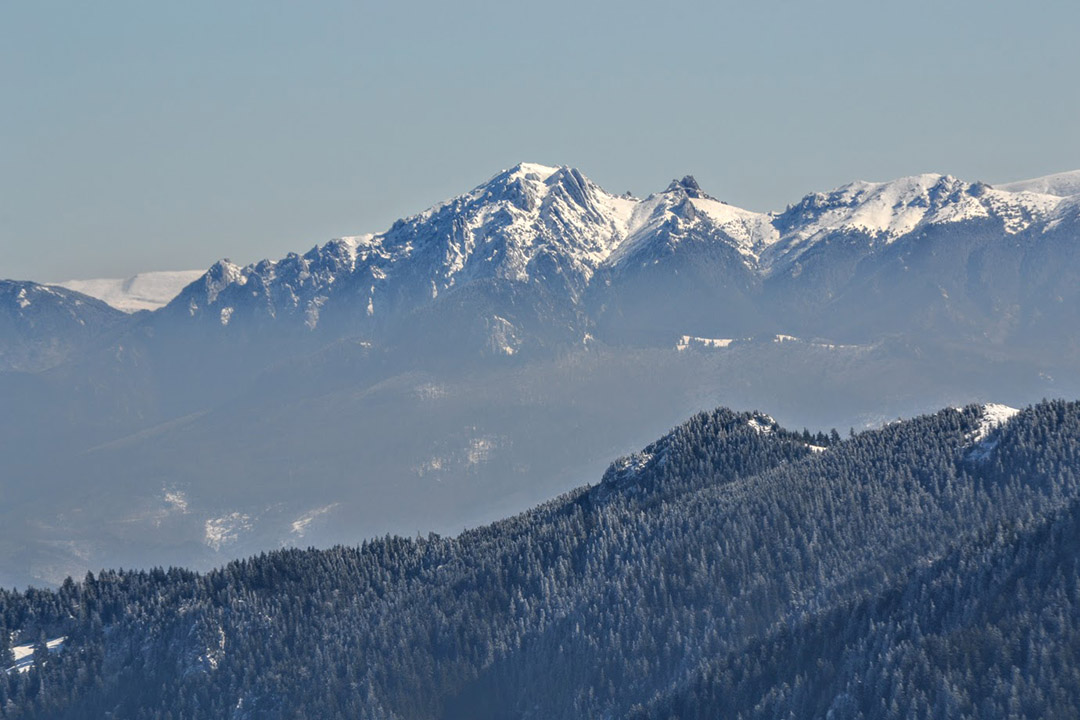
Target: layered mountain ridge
(527,221)
(497,348)
(557,233)
(530,209)
(732,568)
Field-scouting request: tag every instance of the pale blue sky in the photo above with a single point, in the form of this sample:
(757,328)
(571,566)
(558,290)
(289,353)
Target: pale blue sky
(152,135)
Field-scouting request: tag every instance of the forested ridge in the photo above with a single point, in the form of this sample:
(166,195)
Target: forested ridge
(731,569)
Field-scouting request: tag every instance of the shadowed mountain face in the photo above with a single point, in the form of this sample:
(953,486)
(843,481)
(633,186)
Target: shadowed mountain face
(731,568)
(498,348)
(42,327)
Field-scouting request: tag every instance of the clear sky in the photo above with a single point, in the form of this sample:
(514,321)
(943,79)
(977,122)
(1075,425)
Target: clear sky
(165,135)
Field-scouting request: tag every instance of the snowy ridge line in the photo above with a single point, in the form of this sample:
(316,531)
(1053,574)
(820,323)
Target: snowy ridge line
(1066,184)
(535,222)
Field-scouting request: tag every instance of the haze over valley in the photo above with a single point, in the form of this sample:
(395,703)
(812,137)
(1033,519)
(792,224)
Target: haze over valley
(501,348)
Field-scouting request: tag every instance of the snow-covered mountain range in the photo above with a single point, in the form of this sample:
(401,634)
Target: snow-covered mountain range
(501,347)
(510,226)
(552,232)
(541,256)
(538,224)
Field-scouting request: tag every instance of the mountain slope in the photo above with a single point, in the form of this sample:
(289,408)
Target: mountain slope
(42,327)
(420,377)
(730,567)
(688,266)
(952,621)
(540,256)
(529,224)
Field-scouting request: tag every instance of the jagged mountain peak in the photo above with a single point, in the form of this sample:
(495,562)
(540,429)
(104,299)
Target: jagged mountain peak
(551,225)
(689,186)
(500,227)
(664,220)
(523,184)
(528,222)
(543,172)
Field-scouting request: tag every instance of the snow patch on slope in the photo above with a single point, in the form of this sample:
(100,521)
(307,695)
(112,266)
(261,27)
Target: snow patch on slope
(24,654)
(994,415)
(980,440)
(751,231)
(176,500)
(225,530)
(300,525)
(691,341)
(762,424)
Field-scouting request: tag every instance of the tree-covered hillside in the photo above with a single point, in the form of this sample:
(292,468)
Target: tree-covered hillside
(731,569)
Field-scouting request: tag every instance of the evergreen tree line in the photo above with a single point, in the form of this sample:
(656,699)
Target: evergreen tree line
(731,569)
